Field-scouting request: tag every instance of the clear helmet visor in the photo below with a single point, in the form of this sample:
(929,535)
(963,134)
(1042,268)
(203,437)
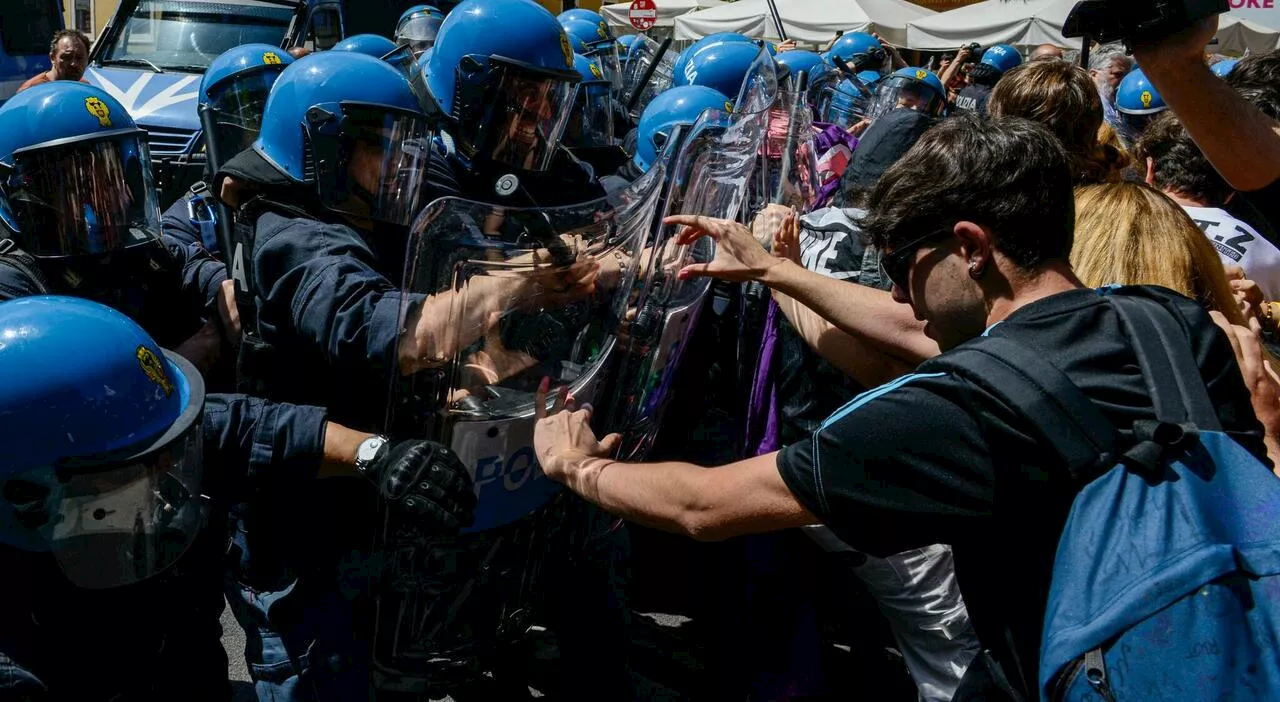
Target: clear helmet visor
(85,197)
(418,33)
(237,107)
(607,60)
(591,124)
(897,92)
(526,117)
(381,156)
(110,526)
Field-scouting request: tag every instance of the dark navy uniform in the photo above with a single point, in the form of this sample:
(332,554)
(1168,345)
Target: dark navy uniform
(150,641)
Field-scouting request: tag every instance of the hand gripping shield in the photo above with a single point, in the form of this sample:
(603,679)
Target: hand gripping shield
(507,297)
(710,166)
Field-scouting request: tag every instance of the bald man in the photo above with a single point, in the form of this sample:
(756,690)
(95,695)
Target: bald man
(1046,51)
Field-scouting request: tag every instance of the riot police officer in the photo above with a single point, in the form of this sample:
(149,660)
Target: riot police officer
(1138,102)
(106,458)
(78,217)
(417,28)
(323,198)
(996,61)
(507,97)
(232,94)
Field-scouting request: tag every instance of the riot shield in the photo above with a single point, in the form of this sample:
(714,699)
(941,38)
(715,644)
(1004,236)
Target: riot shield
(710,170)
(510,297)
(787,173)
(642,79)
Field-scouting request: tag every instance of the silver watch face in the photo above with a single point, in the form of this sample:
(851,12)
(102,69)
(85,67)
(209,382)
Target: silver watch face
(368,449)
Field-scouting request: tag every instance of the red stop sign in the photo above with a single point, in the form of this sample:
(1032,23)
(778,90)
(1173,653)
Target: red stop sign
(643,14)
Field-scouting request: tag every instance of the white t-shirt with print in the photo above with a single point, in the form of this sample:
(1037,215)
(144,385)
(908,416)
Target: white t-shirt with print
(1240,244)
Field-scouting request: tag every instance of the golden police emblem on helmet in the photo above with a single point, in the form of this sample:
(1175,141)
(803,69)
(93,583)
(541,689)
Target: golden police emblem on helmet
(920,75)
(154,369)
(568,50)
(1146,99)
(98,109)
(603,30)
(728,105)
(595,71)
(271,58)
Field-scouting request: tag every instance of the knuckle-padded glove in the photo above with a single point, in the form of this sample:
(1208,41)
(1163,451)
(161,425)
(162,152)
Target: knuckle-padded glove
(427,481)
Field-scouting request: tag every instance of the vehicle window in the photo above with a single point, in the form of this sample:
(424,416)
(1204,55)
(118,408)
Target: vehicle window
(26,26)
(189,35)
(325,30)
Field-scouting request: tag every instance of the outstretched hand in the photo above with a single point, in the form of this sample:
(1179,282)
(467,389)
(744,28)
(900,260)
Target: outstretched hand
(739,257)
(562,437)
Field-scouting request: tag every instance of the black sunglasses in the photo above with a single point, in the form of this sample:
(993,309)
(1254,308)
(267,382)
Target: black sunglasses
(896,265)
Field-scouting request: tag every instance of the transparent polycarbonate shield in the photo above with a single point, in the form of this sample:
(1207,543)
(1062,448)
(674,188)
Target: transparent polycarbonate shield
(496,300)
(787,172)
(644,53)
(710,167)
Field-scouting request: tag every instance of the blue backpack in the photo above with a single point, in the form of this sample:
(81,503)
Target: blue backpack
(1164,584)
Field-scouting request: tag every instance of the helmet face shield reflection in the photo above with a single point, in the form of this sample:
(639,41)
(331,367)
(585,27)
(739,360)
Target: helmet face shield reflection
(237,108)
(374,166)
(899,91)
(516,116)
(85,197)
(591,123)
(110,523)
(418,32)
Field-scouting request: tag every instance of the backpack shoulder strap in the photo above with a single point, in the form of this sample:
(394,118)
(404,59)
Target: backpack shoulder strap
(1177,390)
(1059,410)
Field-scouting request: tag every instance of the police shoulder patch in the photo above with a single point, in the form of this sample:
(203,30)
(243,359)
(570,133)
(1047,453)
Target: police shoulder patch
(567,49)
(271,58)
(154,369)
(98,109)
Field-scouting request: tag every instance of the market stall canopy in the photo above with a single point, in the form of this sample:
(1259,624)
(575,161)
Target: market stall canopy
(668,11)
(1236,34)
(811,21)
(1021,23)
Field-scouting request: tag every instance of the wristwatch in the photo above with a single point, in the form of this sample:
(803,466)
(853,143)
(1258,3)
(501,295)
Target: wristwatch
(368,451)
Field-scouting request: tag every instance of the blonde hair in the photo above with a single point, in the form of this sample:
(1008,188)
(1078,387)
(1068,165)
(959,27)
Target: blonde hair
(1064,99)
(1132,234)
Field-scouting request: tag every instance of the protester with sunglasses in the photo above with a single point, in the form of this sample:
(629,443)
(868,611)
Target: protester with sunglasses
(977,223)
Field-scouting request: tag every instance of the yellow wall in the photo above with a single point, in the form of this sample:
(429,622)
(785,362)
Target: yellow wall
(557,6)
(99,10)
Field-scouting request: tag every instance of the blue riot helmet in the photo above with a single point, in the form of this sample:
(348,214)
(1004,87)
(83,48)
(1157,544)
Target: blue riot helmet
(374,45)
(508,95)
(234,89)
(822,78)
(100,456)
(582,13)
(856,52)
(1001,57)
(673,108)
(721,66)
(709,41)
(591,124)
(910,88)
(1138,103)
(843,104)
(596,42)
(1223,68)
(417,28)
(626,40)
(350,125)
(75,174)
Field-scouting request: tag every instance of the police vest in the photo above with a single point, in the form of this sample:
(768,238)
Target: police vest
(973,98)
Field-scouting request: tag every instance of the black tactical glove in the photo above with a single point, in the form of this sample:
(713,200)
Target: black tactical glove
(426,481)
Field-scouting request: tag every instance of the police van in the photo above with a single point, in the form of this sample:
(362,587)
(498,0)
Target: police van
(26,26)
(153,53)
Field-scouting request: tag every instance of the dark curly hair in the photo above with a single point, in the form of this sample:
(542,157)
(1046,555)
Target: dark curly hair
(1180,166)
(68,34)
